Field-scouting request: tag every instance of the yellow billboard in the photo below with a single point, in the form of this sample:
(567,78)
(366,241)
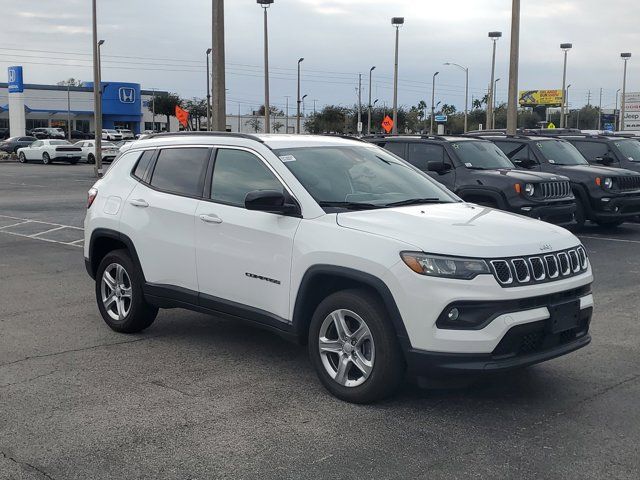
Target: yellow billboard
(533,98)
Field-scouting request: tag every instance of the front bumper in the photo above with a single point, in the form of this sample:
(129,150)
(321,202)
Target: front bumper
(559,214)
(617,207)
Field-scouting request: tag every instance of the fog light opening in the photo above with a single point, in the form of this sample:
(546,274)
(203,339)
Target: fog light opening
(453,314)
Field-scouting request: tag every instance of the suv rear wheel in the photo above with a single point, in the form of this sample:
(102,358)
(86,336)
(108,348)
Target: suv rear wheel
(119,294)
(353,347)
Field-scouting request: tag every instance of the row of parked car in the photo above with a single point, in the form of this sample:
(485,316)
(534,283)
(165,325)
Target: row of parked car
(562,178)
(52,133)
(48,151)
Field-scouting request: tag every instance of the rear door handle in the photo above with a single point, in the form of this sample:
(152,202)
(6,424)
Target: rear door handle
(210,218)
(139,203)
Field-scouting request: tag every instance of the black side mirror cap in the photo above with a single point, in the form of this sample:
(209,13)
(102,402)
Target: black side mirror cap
(606,160)
(271,201)
(437,166)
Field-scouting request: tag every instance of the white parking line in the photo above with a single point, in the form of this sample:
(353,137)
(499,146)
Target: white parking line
(25,220)
(47,231)
(14,224)
(37,236)
(624,240)
(43,239)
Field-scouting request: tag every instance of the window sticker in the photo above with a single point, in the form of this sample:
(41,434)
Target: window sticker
(287,158)
(469,164)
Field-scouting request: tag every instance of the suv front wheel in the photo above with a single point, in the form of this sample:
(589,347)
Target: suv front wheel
(119,294)
(353,347)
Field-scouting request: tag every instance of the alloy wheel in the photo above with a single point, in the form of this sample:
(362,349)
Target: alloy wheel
(116,292)
(346,348)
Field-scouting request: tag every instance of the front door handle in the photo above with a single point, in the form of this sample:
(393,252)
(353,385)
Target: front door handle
(139,203)
(210,218)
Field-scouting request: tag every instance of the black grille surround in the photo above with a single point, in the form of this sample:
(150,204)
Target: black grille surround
(628,183)
(535,269)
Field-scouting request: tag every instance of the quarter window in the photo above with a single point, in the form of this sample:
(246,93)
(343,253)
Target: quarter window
(592,150)
(143,164)
(422,153)
(397,148)
(181,170)
(236,173)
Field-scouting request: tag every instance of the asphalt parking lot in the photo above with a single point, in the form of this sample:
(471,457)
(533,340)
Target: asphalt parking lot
(197,397)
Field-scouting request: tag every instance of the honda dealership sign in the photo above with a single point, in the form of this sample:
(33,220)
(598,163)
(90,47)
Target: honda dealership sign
(632,111)
(16,85)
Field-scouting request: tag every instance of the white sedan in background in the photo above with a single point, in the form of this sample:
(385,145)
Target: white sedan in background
(48,151)
(111,134)
(126,133)
(109,150)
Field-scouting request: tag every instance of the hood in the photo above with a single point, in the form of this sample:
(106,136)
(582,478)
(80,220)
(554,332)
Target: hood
(595,170)
(526,176)
(461,229)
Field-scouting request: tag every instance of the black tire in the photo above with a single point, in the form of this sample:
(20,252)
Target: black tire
(580,216)
(46,159)
(140,314)
(388,366)
(22,157)
(610,223)
(91,159)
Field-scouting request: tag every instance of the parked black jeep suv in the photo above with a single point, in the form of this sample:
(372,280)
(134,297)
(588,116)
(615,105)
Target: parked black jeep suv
(611,151)
(604,195)
(478,172)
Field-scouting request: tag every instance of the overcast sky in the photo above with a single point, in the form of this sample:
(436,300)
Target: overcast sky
(162,44)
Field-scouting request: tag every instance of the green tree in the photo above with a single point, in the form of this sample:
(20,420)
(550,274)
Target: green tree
(72,82)
(448,109)
(197,109)
(277,126)
(165,104)
(255,124)
(274,111)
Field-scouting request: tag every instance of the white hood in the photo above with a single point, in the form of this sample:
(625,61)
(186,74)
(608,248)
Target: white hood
(461,229)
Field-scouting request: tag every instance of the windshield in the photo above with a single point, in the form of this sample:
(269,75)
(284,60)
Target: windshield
(629,148)
(360,177)
(58,142)
(559,152)
(481,155)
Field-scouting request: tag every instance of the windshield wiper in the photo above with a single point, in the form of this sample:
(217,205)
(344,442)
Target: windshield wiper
(414,201)
(350,205)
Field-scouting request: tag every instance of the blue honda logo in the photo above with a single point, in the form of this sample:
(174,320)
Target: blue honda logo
(127,95)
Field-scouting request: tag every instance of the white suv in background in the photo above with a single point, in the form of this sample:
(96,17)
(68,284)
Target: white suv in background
(338,244)
(126,133)
(111,135)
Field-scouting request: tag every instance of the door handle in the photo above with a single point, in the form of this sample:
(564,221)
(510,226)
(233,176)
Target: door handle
(210,218)
(139,203)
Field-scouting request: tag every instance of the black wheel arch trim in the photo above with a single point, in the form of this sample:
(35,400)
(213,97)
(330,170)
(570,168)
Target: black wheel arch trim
(90,263)
(300,323)
(496,195)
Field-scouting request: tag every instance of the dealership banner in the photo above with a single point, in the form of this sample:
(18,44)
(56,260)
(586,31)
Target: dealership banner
(534,98)
(632,111)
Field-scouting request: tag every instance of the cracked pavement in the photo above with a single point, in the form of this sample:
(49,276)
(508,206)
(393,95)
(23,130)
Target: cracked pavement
(199,397)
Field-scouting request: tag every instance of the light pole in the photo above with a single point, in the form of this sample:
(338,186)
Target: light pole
(566,122)
(466,91)
(433,99)
(494,36)
(300,60)
(512,103)
(97,114)
(625,57)
(286,114)
(396,22)
(615,112)
(495,102)
(265,4)
(68,110)
(208,95)
(98,109)
(369,113)
(565,48)
(218,89)
(303,97)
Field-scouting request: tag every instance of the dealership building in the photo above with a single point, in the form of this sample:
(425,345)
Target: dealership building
(24,106)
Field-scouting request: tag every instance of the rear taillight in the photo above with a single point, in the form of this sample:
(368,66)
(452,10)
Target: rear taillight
(91,196)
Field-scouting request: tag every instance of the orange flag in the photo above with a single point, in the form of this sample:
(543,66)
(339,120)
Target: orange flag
(182,116)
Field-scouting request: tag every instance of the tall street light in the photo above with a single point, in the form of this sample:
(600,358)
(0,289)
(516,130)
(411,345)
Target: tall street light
(466,91)
(300,60)
(303,97)
(97,110)
(568,109)
(494,36)
(433,100)
(565,48)
(615,111)
(208,94)
(512,101)
(396,22)
(493,116)
(625,57)
(369,113)
(265,4)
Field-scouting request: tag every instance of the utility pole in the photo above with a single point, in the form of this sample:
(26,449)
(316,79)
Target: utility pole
(68,110)
(588,98)
(359,126)
(600,110)
(300,60)
(625,57)
(314,106)
(369,104)
(512,103)
(615,113)
(97,98)
(208,95)
(218,91)
(396,22)
(433,101)
(153,110)
(286,114)
(239,116)
(494,36)
(267,107)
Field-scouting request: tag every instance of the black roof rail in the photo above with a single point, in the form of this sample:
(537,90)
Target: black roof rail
(190,133)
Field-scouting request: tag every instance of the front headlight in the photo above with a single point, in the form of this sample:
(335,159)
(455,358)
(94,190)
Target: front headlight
(529,189)
(607,183)
(447,267)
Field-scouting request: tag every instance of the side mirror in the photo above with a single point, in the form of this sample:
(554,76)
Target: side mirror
(271,201)
(437,166)
(525,163)
(604,160)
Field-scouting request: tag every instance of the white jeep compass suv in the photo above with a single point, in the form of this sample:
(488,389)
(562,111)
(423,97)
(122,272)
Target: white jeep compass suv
(335,243)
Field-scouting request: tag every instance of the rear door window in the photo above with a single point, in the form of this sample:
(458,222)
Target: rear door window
(419,154)
(397,148)
(181,170)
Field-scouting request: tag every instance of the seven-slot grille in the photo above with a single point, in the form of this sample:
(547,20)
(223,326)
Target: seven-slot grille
(513,272)
(555,189)
(628,183)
